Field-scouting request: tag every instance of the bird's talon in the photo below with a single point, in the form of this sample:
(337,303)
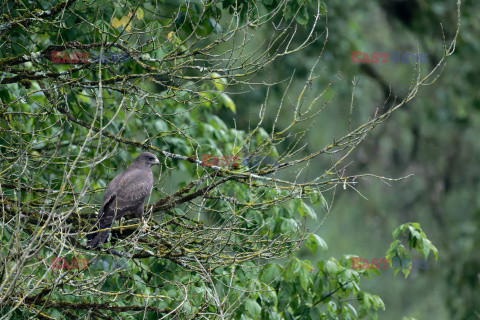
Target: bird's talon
(145,228)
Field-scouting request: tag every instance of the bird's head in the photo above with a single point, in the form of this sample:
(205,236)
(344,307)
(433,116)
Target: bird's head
(147,158)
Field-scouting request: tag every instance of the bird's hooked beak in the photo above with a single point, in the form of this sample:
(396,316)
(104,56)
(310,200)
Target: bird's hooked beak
(156,163)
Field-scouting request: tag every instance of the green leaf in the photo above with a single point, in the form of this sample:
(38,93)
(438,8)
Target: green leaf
(139,14)
(304,279)
(347,275)
(270,272)
(306,210)
(332,306)
(378,302)
(302,16)
(365,299)
(318,286)
(311,243)
(217,28)
(219,82)
(285,292)
(262,11)
(292,269)
(227,102)
(303,312)
(331,268)
(268,296)
(307,265)
(314,198)
(351,310)
(288,225)
(253,308)
(288,315)
(314,241)
(4,96)
(374,271)
(323,201)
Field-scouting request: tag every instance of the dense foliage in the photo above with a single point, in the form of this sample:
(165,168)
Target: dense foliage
(88,85)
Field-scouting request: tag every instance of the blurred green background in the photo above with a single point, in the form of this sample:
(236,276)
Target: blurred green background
(435,139)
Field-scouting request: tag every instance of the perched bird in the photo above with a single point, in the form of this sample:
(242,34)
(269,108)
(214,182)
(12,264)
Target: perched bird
(125,193)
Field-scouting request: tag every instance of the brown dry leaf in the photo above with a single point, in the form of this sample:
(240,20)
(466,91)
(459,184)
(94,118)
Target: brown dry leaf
(115,23)
(124,22)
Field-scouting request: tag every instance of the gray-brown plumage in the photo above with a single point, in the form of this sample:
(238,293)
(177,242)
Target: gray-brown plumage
(125,193)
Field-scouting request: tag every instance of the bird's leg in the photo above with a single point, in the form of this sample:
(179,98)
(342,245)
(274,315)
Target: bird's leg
(139,214)
(145,226)
(120,225)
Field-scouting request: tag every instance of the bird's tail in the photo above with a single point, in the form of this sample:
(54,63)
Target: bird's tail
(97,238)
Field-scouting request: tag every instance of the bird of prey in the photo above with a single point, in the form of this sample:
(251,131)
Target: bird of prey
(125,193)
